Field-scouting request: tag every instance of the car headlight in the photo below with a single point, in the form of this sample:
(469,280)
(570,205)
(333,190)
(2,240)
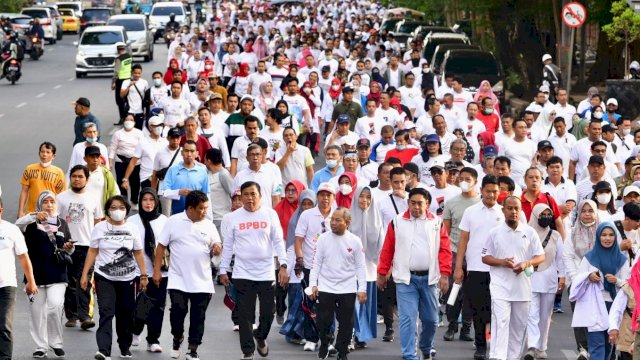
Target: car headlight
(142,40)
(498,87)
(81,53)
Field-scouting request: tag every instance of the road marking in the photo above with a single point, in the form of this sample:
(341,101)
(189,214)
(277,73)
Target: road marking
(40,95)
(21,105)
(51,49)
(57,87)
(71,78)
(1,115)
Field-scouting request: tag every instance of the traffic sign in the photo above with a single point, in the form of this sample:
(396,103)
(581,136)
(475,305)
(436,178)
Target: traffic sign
(574,14)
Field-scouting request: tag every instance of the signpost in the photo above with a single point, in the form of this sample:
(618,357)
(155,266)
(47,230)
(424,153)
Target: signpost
(574,16)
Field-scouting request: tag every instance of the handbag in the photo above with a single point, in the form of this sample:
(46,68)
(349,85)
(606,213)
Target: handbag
(144,304)
(62,256)
(160,174)
(228,299)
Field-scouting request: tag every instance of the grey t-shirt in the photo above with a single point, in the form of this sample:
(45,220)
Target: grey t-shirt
(453,210)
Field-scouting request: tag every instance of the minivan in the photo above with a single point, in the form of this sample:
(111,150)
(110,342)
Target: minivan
(159,16)
(47,21)
(97,49)
(432,40)
(137,28)
(473,66)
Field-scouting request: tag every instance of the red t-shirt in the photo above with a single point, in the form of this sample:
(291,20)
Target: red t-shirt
(202,145)
(404,156)
(527,206)
(491,122)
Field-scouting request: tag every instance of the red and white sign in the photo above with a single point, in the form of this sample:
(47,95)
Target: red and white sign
(574,14)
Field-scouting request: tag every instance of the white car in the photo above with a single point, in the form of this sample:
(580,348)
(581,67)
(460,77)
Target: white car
(47,21)
(159,16)
(97,49)
(76,6)
(137,28)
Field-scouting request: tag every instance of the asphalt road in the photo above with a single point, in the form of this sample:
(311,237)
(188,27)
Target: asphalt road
(38,108)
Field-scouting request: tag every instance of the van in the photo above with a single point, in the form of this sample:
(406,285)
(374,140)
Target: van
(76,6)
(473,66)
(138,32)
(159,16)
(432,40)
(97,49)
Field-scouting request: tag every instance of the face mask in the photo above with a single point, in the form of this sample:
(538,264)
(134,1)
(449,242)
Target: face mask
(597,115)
(587,224)
(425,70)
(603,198)
(465,186)
(157,82)
(45,164)
(335,87)
(307,90)
(345,189)
(401,147)
(332,163)
(157,131)
(626,131)
(117,215)
(488,111)
(128,125)
(546,97)
(545,220)
(91,140)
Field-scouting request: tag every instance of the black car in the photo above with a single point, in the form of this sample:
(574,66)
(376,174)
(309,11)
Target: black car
(95,17)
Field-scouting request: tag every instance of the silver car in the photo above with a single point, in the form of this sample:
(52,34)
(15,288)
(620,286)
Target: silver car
(97,49)
(138,32)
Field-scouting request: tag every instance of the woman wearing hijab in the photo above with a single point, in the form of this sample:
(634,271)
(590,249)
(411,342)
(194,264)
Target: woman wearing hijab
(579,126)
(600,274)
(260,48)
(312,139)
(544,282)
(366,223)
(375,89)
(347,184)
(377,77)
(240,81)
(336,90)
(485,90)
(288,120)
(542,128)
(623,316)
(486,138)
(150,223)
(583,236)
(47,234)
(298,326)
(168,75)
(266,100)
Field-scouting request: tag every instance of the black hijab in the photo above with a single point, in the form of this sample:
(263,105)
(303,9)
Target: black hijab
(147,217)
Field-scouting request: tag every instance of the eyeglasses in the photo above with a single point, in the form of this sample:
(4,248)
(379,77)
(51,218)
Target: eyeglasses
(290,191)
(254,154)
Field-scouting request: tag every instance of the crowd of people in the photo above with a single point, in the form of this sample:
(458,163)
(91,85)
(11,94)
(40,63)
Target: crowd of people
(433,201)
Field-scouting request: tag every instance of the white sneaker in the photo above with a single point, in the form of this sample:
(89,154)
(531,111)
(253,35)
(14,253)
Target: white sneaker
(380,319)
(583,355)
(154,348)
(255,326)
(310,346)
(136,340)
(174,354)
(236,328)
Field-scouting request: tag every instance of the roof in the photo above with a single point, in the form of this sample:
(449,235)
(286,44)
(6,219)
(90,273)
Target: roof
(104,28)
(128,16)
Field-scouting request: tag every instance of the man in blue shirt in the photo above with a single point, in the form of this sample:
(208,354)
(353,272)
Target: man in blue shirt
(185,177)
(84,115)
(611,115)
(333,156)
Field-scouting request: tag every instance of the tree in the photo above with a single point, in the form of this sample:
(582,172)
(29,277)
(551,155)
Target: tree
(625,27)
(12,6)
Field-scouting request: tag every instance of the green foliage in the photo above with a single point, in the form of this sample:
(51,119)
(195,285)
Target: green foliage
(433,9)
(625,26)
(12,6)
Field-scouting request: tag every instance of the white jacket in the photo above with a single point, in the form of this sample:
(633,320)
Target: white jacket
(590,310)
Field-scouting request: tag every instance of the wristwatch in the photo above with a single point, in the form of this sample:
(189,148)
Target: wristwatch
(125,180)
(284,266)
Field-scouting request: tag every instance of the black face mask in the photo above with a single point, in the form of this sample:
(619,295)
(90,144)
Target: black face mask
(415,62)
(545,220)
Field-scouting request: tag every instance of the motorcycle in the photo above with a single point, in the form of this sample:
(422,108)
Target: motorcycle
(11,68)
(36,48)
(169,35)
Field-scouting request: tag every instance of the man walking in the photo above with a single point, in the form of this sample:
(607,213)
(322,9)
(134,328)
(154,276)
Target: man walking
(184,177)
(39,177)
(253,234)
(121,72)
(193,241)
(82,108)
(417,247)
(338,272)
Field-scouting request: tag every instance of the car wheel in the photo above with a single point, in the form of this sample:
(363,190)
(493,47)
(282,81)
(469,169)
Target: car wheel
(79,75)
(59,34)
(151,54)
(147,58)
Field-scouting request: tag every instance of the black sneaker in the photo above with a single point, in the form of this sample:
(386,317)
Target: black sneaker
(247,356)
(388,335)
(466,335)
(342,357)
(39,354)
(449,334)
(323,351)
(480,354)
(192,355)
(59,352)
(332,350)
(261,346)
(126,354)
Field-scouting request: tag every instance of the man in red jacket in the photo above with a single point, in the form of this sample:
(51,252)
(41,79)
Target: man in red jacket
(421,260)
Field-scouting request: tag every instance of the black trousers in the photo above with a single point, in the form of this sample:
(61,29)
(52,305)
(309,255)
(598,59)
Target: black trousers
(387,302)
(156,314)
(462,303)
(120,101)
(139,119)
(476,289)
(77,302)
(579,333)
(180,307)
(248,291)
(134,178)
(7,305)
(342,306)
(115,299)
(281,298)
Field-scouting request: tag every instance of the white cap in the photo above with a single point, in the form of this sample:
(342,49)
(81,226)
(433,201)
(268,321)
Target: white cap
(614,102)
(534,108)
(546,57)
(408,125)
(634,65)
(155,121)
(630,189)
(325,186)
(246,97)
(544,88)
(120,44)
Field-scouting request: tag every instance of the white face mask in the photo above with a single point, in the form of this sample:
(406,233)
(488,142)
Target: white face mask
(157,82)
(45,164)
(117,215)
(597,115)
(603,198)
(626,131)
(546,97)
(332,163)
(157,130)
(335,87)
(345,189)
(401,147)
(128,125)
(465,186)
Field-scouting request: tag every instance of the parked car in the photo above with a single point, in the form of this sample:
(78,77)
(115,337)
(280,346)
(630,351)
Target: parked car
(473,66)
(70,21)
(76,6)
(432,40)
(389,24)
(97,16)
(438,54)
(47,21)
(159,16)
(56,17)
(97,49)
(137,28)
(421,31)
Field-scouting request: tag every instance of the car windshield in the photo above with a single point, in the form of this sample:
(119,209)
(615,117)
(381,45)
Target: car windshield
(66,12)
(129,24)
(101,38)
(407,28)
(68,6)
(430,47)
(472,64)
(141,2)
(40,14)
(21,20)
(96,15)
(166,11)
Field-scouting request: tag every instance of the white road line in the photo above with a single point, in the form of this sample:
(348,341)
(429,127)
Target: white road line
(71,78)
(40,95)
(1,116)
(21,105)
(57,87)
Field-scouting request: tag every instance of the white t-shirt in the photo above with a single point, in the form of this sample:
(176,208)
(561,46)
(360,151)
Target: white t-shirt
(146,152)
(297,105)
(157,226)
(387,209)
(462,99)
(95,185)
(191,244)
(440,196)
(390,116)
(270,185)
(521,244)
(311,225)
(163,159)
(175,110)
(296,166)
(370,127)
(80,212)
(521,154)
(581,152)
(471,130)
(477,220)
(115,244)
(134,97)
(12,244)
(425,167)
(255,80)
(275,141)
(350,139)
(339,264)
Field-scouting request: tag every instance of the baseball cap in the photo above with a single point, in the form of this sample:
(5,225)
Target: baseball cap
(343,118)
(363,143)
(612,101)
(261,142)
(596,159)
(546,57)
(432,138)
(544,88)
(325,186)
(439,165)
(91,150)
(347,88)
(246,97)
(326,68)
(155,121)
(490,150)
(609,128)
(601,185)
(83,101)
(534,108)
(174,133)
(630,189)
(544,144)
(215,96)
(120,44)
(412,167)
(408,125)
(212,74)
(450,165)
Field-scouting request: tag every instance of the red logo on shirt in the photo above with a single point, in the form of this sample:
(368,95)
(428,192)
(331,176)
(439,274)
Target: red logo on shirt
(253,225)
(349,249)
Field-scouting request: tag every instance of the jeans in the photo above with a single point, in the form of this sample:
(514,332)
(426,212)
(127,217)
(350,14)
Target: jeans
(180,308)
(343,307)
(248,291)
(156,314)
(599,347)
(77,302)
(417,299)
(115,299)
(7,304)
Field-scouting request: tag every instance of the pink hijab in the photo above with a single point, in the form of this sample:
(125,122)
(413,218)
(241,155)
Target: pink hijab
(302,62)
(481,94)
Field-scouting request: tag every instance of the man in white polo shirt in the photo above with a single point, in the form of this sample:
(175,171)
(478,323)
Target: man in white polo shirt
(271,185)
(193,241)
(254,235)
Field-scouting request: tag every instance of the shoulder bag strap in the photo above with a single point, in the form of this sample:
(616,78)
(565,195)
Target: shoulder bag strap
(620,228)
(174,157)
(394,204)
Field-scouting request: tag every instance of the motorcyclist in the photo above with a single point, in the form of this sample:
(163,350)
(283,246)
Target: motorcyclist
(35,30)
(11,48)
(5,24)
(172,25)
